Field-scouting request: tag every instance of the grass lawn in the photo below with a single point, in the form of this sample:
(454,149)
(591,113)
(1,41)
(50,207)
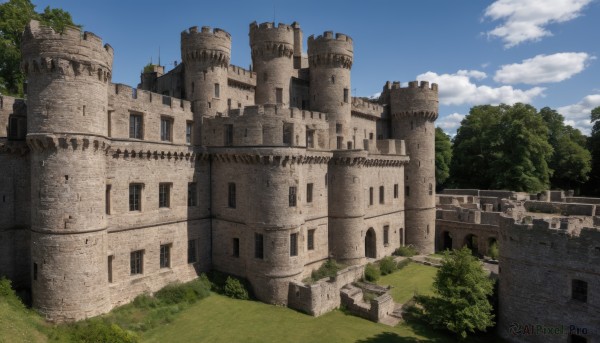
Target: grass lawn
(20,325)
(413,278)
(221,319)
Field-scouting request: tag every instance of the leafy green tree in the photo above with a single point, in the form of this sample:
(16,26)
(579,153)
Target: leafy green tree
(593,186)
(502,147)
(14,16)
(443,156)
(461,301)
(571,161)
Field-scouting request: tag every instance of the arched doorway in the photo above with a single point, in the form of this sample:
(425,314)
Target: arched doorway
(471,242)
(370,244)
(446,241)
(492,248)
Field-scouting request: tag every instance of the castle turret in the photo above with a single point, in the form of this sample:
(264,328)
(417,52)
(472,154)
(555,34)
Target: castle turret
(272,50)
(330,60)
(414,110)
(205,55)
(68,74)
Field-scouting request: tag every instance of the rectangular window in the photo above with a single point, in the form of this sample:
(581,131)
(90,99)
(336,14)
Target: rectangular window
(381,195)
(310,138)
(288,133)
(166,127)
(229,134)
(370,195)
(229,104)
(294,244)
(340,143)
(109,123)
(311,240)
(136,126)
(346,95)
(396,191)
(192,257)
(258,246)
(309,192)
(192,194)
(279,95)
(164,195)
(386,234)
(231,196)
(338,128)
(135,197)
(236,247)
(217,90)
(371,136)
(165,256)
(579,290)
(13,128)
(107,199)
(406,191)
(430,189)
(292,196)
(110,268)
(188,132)
(137,262)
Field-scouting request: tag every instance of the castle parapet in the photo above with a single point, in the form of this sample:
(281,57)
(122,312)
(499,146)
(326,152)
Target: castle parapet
(267,39)
(416,99)
(139,96)
(241,75)
(366,108)
(208,45)
(330,50)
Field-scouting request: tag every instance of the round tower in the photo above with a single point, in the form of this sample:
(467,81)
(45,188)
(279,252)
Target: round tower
(346,206)
(330,60)
(414,111)
(272,60)
(205,55)
(68,75)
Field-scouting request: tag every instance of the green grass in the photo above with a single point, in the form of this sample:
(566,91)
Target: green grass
(221,319)
(18,324)
(408,280)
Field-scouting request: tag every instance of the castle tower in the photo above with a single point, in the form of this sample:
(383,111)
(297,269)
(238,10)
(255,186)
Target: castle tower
(272,50)
(68,75)
(346,206)
(205,55)
(414,110)
(330,61)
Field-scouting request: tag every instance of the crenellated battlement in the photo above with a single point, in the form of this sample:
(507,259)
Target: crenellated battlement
(70,53)
(142,96)
(330,50)
(206,45)
(419,98)
(268,40)
(66,141)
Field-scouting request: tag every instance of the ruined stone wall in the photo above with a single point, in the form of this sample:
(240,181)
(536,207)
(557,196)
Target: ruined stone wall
(572,209)
(538,264)
(324,295)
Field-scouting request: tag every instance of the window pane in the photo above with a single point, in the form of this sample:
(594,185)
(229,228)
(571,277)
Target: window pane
(258,245)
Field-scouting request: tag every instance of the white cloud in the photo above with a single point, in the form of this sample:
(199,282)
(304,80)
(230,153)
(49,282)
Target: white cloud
(578,115)
(476,74)
(450,122)
(544,68)
(526,20)
(457,89)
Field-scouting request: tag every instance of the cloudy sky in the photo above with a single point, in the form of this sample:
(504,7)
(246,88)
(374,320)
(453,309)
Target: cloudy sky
(542,52)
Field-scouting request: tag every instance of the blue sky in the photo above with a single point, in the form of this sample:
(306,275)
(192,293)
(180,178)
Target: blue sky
(542,52)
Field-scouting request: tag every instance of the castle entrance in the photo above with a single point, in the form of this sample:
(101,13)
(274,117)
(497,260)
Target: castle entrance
(370,244)
(471,242)
(446,241)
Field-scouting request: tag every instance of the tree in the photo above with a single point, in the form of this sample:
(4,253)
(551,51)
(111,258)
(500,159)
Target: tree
(502,147)
(593,185)
(570,163)
(443,156)
(14,16)
(462,290)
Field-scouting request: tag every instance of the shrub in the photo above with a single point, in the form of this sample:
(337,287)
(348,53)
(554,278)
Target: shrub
(493,251)
(145,301)
(235,289)
(327,269)
(8,294)
(372,273)
(100,331)
(407,251)
(403,264)
(387,265)
(184,293)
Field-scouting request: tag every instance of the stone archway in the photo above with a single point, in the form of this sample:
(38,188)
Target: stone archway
(472,242)
(446,241)
(370,244)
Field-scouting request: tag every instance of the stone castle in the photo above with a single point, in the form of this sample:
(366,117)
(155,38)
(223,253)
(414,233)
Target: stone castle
(111,191)
(108,191)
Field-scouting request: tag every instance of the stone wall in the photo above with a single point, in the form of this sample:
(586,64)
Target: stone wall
(324,295)
(572,209)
